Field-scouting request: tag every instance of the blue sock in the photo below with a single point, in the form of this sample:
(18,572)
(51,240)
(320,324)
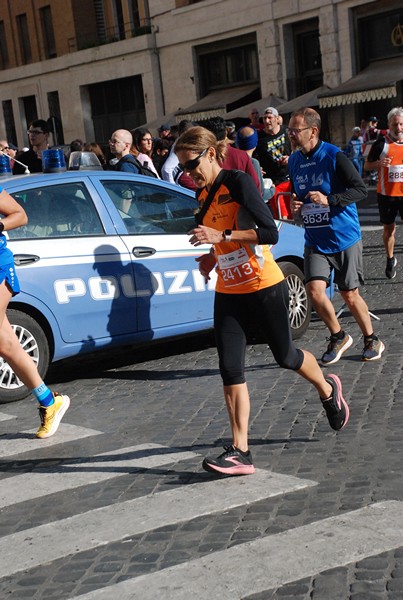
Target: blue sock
(43,394)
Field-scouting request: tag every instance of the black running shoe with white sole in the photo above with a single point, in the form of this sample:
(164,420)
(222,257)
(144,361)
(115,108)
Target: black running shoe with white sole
(390,270)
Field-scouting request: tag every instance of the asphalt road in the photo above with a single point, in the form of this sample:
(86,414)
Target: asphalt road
(116,505)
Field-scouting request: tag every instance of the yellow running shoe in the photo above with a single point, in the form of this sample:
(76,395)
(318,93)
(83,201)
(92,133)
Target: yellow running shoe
(52,415)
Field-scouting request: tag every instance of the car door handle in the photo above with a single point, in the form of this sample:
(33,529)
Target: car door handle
(25,259)
(142,251)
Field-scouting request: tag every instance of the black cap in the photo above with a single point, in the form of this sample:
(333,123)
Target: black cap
(373,119)
(12,147)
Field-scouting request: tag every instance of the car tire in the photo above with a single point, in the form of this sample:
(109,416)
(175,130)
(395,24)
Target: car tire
(33,339)
(300,308)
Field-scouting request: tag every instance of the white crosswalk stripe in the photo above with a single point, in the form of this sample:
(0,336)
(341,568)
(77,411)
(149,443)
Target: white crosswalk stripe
(71,475)
(115,522)
(270,562)
(246,569)
(11,445)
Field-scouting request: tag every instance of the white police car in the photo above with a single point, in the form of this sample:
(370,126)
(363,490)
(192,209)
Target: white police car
(105,261)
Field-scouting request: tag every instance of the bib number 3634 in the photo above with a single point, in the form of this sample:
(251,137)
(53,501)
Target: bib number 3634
(315,215)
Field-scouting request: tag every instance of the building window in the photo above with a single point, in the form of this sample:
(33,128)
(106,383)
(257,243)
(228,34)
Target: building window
(134,13)
(305,68)
(380,36)
(9,121)
(227,64)
(55,118)
(47,32)
(23,39)
(3,47)
(116,104)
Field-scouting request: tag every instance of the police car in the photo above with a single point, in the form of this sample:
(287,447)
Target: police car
(105,261)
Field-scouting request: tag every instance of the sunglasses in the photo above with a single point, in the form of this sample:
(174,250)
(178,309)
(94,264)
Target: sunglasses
(189,165)
(34,131)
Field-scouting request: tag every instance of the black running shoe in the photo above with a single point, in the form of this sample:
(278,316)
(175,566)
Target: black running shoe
(231,462)
(390,270)
(336,407)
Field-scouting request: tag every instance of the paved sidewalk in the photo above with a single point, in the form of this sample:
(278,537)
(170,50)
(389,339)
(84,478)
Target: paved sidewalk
(171,397)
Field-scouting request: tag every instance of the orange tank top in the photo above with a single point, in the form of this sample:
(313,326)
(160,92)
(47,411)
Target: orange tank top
(390,179)
(241,268)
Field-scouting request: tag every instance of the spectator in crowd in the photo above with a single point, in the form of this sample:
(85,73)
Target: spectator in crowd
(234,158)
(371,131)
(353,150)
(119,145)
(370,135)
(230,131)
(164,132)
(170,170)
(326,188)
(10,150)
(97,150)
(38,135)
(76,145)
(160,153)
(255,119)
(142,148)
(246,140)
(273,147)
(386,156)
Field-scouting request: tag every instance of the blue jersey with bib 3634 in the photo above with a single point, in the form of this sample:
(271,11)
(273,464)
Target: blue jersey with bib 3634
(329,229)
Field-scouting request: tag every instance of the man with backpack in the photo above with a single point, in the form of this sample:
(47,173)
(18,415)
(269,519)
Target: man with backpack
(119,145)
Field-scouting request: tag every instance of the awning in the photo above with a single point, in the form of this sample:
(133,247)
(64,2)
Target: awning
(375,82)
(216,104)
(308,99)
(243,111)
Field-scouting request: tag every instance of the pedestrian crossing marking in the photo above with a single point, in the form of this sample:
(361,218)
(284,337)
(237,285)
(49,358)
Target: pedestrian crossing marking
(270,562)
(133,517)
(25,441)
(4,417)
(72,474)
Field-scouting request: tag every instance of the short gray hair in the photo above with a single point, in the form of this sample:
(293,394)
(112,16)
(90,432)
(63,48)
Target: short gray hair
(395,112)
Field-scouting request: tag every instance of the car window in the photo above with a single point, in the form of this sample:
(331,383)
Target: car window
(147,208)
(57,211)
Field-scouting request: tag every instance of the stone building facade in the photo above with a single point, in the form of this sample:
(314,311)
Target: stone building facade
(94,65)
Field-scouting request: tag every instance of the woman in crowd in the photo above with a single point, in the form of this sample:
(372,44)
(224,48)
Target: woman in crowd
(235,220)
(142,148)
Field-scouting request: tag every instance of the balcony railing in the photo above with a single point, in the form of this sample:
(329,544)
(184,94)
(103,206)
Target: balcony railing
(110,35)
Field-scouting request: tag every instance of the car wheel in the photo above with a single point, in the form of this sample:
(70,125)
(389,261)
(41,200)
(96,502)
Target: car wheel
(33,339)
(300,305)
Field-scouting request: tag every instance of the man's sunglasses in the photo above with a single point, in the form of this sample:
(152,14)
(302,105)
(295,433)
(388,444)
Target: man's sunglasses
(189,165)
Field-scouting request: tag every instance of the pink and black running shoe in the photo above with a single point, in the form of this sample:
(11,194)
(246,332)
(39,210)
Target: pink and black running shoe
(336,407)
(231,462)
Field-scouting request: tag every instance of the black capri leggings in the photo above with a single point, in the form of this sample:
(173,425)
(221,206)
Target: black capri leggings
(233,314)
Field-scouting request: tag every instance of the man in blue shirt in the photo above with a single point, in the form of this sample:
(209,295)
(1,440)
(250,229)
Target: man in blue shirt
(326,188)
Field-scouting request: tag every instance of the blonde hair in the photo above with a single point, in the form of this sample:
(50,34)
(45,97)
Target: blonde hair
(196,139)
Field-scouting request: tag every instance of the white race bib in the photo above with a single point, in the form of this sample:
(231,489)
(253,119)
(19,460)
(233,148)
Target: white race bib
(236,268)
(395,173)
(315,215)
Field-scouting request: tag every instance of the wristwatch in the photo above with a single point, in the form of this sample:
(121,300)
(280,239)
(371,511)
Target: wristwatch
(227,235)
